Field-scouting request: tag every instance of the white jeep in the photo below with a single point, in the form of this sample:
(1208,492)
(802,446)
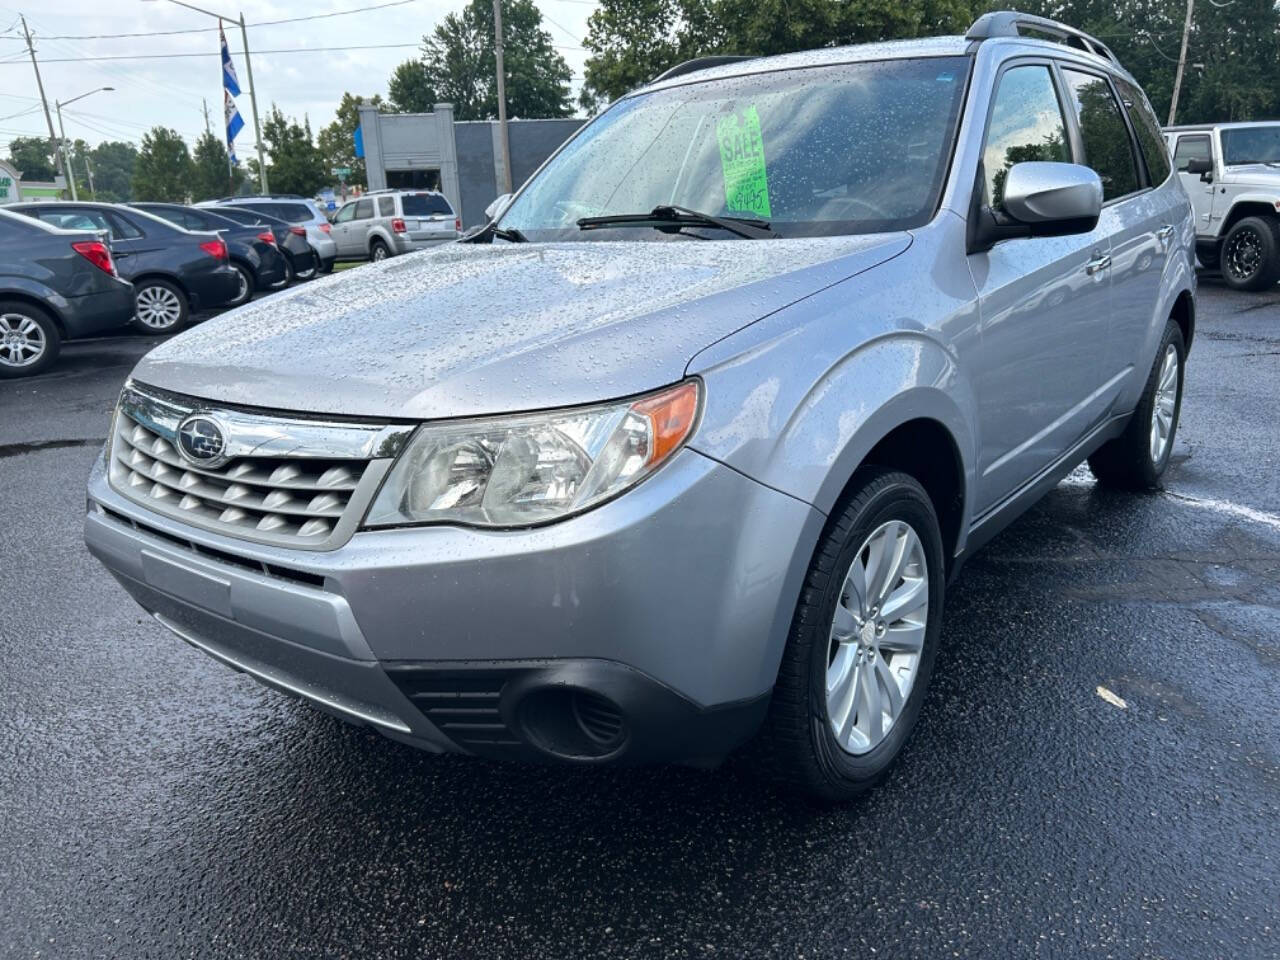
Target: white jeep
(1231,171)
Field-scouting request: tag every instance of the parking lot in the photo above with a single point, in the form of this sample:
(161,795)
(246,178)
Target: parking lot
(155,804)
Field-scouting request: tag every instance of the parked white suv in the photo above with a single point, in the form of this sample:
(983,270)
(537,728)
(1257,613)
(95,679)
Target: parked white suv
(384,223)
(1231,171)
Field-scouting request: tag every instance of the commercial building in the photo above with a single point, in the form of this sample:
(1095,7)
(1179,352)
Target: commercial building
(14,189)
(460,158)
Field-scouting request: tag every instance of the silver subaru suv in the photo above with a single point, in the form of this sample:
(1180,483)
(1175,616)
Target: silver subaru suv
(676,457)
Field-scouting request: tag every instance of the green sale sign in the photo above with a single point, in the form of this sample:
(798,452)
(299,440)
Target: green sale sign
(746,185)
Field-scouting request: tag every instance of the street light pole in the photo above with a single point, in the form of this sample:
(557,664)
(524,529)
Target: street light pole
(253,94)
(62,141)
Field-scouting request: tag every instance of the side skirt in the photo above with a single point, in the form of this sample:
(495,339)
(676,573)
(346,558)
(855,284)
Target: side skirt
(985,527)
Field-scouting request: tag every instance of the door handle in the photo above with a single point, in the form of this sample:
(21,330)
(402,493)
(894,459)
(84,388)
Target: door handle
(1097,264)
(1165,233)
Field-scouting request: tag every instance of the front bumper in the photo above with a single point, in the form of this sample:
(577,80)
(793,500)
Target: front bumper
(98,312)
(657,619)
(212,288)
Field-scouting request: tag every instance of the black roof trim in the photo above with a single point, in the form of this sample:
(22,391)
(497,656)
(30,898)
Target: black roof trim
(1010,23)
(698,63)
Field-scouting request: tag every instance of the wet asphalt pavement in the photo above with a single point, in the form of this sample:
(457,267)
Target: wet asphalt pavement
(155,804)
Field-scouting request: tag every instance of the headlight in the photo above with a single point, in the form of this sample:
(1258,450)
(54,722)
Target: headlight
(516,471)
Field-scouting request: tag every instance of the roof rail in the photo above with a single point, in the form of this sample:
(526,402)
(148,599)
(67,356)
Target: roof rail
(696,64)
(1010,23)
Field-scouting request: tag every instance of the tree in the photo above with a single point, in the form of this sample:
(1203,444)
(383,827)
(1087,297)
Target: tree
(458,65)
(296,165)
(409,90)
(211,175)
(33,156)
(632,41)
(113,167)
(163,170)
(336,142)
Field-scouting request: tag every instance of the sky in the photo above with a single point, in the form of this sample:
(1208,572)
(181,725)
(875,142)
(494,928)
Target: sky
(169,91)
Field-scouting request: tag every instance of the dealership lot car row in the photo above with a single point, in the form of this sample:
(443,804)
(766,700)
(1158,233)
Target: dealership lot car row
(720,511)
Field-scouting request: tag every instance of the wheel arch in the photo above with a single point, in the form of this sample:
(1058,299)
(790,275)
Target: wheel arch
(1247,205)
(35,302)
(1183,313)
(142,278)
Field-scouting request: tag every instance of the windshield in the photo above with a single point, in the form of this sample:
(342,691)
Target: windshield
(854,148)
(1251,145)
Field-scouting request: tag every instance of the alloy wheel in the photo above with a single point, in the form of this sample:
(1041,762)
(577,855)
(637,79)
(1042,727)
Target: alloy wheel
(158,307)
(877,637)
(1243,256)
(1166,402)
(22,342)
(379,252)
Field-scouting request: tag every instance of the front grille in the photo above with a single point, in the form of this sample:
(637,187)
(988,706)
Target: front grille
(285,481)
(286,496)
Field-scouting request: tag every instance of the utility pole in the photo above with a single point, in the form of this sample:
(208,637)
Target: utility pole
(207,129)
(1182,63)
(93,191)
(502,97)
(253,102)
(48,117)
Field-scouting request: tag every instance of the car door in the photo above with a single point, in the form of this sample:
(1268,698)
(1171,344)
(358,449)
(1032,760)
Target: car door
(1188,147)
(1138,220)
(1045,303)
(1135,297)
(342,226)
(357,235)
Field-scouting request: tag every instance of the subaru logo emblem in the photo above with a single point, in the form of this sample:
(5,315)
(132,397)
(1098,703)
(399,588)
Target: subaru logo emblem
(201,440)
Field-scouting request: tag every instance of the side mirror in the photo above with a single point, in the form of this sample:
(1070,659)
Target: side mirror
(1041,199)
(494,210)
(1201,166)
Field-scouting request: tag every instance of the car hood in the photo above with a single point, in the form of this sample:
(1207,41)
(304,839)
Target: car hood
(1254,175)
(470,329)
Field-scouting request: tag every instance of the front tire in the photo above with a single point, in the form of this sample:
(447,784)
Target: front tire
(863,640)
(247,284)
(159,307)
(1250,258)
(1138,458)
(29,340)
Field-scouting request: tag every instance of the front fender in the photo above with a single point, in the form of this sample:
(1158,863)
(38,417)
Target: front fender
(807,443)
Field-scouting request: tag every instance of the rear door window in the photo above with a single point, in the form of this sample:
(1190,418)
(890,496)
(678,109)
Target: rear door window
(425,205)
(1108,148)
(1026,124)
(1147,127)
(386,206)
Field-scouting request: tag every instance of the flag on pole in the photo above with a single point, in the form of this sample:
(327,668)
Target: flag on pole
(234,123)
(229,80)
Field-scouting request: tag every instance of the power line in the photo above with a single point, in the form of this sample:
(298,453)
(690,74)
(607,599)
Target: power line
(215,53)
(262,23)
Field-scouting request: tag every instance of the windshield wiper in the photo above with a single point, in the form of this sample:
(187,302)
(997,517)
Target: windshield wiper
(672,219)
(490,230)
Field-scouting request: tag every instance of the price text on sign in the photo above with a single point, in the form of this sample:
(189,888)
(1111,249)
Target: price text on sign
(746,185)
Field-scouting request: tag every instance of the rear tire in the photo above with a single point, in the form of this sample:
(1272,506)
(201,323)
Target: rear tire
(159,307)
(851,637)
(1138,458)
(378,251)
(308,273)
(289,276)
(1250,257)
(29,340)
